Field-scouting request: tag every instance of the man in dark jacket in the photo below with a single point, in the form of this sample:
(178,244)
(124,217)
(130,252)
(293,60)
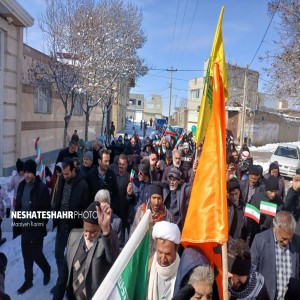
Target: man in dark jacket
(103,178)
(67,152)
(176,158)
(71,195)
(176,197)
(138,194)
(91,252)
(236,220)
(32,196)
(244,281)
(250,186)
(187,160)
(292,200)
(263,201)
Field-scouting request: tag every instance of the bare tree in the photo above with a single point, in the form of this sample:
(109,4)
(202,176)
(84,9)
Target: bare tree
(105,38)
(285,68)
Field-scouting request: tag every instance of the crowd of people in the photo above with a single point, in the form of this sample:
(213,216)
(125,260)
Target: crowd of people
(113,186)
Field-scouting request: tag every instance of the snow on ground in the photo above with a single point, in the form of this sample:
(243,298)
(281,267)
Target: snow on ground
(12,248)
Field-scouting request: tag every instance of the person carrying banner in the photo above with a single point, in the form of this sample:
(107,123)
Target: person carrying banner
(165,261)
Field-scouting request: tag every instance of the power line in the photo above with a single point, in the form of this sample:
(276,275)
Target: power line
(188,35)
(172,44)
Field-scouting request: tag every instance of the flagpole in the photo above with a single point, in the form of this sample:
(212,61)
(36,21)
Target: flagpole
(225,271)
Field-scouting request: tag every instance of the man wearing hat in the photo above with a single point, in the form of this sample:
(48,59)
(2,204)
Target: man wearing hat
(275,253)
(236,220)
(32,195)
(187,160)
(156,204)
(87,163)
(176,196)
(165,262)
(176,162)
(250,186)
(274,171)
(268,196)
(138,192)
(90,254)
(244,281)
(292,200)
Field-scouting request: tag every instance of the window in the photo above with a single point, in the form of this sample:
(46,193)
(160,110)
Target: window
(42,98)
(194,94)
(78,105)
(139,103)
(150,106)
(158,106)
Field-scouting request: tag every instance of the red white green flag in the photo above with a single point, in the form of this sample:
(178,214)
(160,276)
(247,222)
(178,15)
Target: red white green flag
(170,131)
(252,212)
(268,208)
(127,278)
(132,173)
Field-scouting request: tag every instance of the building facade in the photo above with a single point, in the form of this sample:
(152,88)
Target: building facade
(13,19)
(135,108)
(153,108)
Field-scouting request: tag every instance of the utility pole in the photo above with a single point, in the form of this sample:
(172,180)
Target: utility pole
(244,108)
(171,85)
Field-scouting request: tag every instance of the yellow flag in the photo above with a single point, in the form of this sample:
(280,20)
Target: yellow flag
(217,55)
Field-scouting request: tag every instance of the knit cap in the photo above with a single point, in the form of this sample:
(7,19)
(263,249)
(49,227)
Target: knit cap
(272,184)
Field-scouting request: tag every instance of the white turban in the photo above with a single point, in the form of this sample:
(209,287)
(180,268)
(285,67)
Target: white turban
(166,231)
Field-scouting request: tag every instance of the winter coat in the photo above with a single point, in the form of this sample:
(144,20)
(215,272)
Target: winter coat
(81,151)
(190,259)
(239,231)
(78,202)
(64,153)
(266,221)
(292,204)
(186,164)
(100,259)
(140,194)
(244,186)
(109,183)
(4,202)
(14,183)
(281,191)
(39,201)
(182,196)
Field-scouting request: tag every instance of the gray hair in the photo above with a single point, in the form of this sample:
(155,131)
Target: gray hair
(102,196)
(203,274)
(177,151)
(285,221)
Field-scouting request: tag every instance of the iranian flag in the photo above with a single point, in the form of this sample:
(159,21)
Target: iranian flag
(132,173)
(127,278)
(268,208)
(252,212)
(170,131)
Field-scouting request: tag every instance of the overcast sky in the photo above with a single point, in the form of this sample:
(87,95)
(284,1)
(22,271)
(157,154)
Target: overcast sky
(180,35)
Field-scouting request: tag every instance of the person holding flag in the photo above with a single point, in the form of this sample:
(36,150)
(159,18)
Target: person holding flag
(269,203)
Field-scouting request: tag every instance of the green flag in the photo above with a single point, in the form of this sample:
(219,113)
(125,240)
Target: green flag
(127,279)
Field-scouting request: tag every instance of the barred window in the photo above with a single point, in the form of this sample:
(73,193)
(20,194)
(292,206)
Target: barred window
(42,98)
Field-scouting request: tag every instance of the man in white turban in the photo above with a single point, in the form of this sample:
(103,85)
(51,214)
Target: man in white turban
(165,261)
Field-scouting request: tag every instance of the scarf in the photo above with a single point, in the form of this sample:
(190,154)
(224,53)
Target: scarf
(156,217)
(165,273)
(252,287)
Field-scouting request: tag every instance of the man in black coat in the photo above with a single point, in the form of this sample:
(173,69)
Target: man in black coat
(71,195)
(32,196)
(176,197)
(70,151)
(292,200)
(103,178)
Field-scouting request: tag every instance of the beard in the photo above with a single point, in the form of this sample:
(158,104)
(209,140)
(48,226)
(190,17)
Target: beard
(89,243)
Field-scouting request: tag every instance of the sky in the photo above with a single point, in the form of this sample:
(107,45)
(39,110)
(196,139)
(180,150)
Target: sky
(180,35)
